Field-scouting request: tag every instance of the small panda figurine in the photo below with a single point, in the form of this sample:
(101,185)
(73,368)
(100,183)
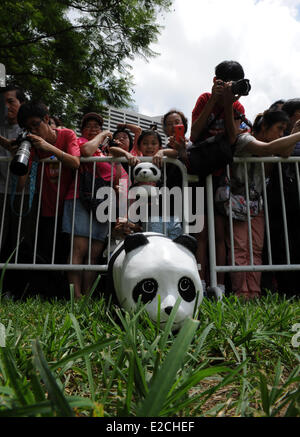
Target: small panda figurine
(146,175)
(150,264)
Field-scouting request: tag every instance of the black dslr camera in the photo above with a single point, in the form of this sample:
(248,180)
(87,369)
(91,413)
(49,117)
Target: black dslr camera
(241,87)
(112,143)
(19,163)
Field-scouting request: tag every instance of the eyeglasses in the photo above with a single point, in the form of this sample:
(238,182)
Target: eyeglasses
(92,126)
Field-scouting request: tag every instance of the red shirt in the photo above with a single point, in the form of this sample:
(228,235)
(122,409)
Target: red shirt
(103,168)
(67,141)
(218,126)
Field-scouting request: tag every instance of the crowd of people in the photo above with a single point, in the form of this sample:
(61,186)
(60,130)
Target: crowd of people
(275,132)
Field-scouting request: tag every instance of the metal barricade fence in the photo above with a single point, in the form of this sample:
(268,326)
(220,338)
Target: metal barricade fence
(282,214)
(15,264)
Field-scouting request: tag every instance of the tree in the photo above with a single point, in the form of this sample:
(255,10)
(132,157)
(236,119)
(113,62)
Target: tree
(74,55)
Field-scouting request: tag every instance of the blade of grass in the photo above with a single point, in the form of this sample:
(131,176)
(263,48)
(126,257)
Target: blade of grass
(45,408)
(169,325)
(86,357)
(202,338)
(72,298)
(196,309)
(264,393)
(194,379)
(96,347)
(234,349)
(58,399)
(3,273)
(18,384)
(158,314)
(158,392)
(2,335)
(130,385)
(88,296)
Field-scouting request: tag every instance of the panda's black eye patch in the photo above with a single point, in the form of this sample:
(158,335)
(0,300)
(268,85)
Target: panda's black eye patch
(147,289)
(154,171)
(136,172)
(187,289)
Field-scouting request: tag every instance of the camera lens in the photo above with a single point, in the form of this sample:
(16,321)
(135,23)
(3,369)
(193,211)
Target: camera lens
(19,163)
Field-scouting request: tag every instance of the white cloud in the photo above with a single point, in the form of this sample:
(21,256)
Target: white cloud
(264,36)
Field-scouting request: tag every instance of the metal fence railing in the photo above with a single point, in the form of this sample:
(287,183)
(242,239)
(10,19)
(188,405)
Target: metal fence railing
(15,263)
(270,214)
(35,216)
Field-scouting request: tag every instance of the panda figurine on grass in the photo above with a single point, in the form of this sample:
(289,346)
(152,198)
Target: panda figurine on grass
(148,265)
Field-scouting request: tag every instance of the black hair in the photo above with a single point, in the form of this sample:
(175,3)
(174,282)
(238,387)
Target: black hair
(274,105)
(268,118)
(123,129)
(148,132)
(19,92)
(175,111)
(31,109)
(290,106)
(229,70)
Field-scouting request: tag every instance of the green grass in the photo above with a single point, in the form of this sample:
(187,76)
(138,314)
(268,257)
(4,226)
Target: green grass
(90,358)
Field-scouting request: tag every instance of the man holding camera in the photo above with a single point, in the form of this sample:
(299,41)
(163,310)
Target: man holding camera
(214,113)
(13,97)
(209,108)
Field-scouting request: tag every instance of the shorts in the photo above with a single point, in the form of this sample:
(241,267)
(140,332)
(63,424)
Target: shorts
(173,227)
(82,222)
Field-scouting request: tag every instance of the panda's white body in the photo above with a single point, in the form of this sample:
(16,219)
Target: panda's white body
(162,264)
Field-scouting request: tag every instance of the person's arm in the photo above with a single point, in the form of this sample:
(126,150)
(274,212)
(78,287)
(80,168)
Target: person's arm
(200,123)
(65,158)
(136,130)
(282,146)
(180,147)
(118,152)
(90,147)
(231,126)
(169,153)
(5,143)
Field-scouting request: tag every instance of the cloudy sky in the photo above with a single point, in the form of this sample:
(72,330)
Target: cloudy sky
(263,35)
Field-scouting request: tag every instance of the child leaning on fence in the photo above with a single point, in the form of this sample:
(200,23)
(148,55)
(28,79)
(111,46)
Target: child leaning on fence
(266,140)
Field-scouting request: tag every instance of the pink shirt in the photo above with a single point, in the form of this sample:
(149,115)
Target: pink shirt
(67,141)
(103,169)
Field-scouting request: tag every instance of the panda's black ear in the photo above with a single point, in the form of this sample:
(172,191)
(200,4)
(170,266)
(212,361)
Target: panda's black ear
(135,240)
(187,241)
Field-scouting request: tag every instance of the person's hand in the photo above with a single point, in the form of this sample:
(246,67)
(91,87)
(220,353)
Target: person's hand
(132,160)
(158,157)
(242,131)
(123,228)
(296,127)
(10,145)
(38,142)
(177,145)
(105,134)
(217,90)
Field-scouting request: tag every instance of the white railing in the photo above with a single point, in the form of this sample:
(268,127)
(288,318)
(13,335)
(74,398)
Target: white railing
(15,264)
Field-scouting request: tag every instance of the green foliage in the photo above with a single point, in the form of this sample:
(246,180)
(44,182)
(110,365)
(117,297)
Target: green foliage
(97,360)
(75,55)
